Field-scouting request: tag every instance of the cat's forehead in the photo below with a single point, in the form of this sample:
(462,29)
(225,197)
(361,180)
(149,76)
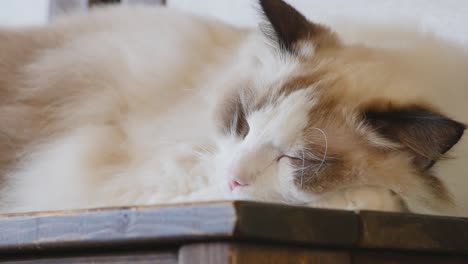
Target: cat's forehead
(275,75)
(279,83)
(284,117)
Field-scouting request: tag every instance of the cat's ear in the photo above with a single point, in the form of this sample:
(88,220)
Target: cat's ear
(427,134)
(291,30)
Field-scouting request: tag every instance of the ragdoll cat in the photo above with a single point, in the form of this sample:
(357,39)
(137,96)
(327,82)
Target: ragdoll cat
(148,105)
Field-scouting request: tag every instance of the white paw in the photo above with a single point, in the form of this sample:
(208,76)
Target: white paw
(373,198)
(362,198)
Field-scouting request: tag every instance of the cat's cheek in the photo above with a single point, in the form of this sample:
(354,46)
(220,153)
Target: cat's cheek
(287,186)
(219,163)
(285,179)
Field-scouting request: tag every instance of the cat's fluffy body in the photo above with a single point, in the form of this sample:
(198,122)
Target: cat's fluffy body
(138,105)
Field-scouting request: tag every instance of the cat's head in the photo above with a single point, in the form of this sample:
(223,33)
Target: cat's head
(316,116)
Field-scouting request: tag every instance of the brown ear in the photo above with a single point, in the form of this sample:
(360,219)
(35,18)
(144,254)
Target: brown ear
(427,134)
(290,29)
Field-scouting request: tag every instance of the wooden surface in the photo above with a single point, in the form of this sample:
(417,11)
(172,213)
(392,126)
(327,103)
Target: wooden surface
(232,253)
(224,253)
(412,231)
(231,232)
(110,258)
(295,224)
(115,227)
(405,258)
(231,221)
(207,253)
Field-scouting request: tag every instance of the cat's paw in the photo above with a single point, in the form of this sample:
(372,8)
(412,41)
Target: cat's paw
(363,198)
(374,198)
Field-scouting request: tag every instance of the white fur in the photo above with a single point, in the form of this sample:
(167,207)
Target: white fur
(170,70)
(274,131)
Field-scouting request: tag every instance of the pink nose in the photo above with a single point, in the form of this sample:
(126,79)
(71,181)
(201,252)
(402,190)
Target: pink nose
(235,183)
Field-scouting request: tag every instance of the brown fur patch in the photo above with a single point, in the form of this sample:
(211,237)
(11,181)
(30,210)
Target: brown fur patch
(22,123)
(232,115)
(111,149)
(437,188)
(423,131)
(292,29)
(300,82)
(350,160)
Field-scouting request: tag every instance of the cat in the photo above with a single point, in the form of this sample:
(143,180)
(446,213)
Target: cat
(150,105)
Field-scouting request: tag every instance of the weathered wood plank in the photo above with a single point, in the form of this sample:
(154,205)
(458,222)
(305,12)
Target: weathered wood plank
(206,253)
(177,224)
(231,221)
(113,227)
(224,253)
(413,232)
(408,258)
(138,258)
(270,255)
(296,224)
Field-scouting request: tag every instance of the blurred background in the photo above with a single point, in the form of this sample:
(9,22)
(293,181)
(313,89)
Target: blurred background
(447,18)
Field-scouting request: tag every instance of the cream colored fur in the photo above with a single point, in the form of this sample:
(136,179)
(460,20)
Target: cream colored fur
(127,100)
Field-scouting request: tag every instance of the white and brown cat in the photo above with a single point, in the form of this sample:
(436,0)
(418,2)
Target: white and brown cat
(148,105)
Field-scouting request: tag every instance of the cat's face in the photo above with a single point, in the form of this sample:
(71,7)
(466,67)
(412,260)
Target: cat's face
(312,123)
(288,138)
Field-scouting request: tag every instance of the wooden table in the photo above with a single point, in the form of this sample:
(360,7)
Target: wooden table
(231,232)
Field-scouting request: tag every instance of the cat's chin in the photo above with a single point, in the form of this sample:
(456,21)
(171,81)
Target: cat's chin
(240,194)
(253,194)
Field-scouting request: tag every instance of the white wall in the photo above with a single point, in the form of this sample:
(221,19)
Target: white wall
(23,12)
(448,18)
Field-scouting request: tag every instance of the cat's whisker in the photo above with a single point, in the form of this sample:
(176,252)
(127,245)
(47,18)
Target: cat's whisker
(311,156)
(303,164)
(325,152)
(202,154)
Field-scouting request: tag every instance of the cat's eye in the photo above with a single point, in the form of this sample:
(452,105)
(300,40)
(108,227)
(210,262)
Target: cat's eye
(238,121)
(242,127)
(288,157)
